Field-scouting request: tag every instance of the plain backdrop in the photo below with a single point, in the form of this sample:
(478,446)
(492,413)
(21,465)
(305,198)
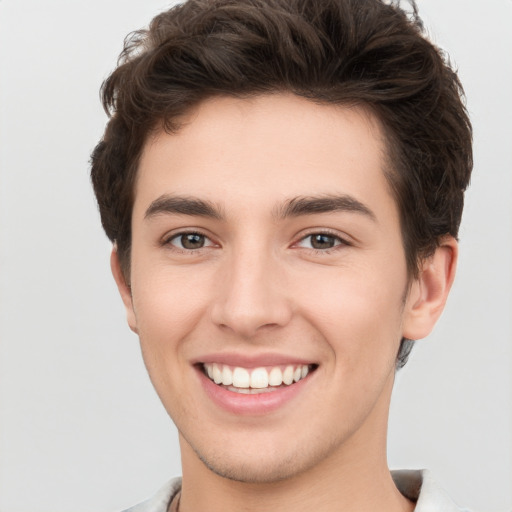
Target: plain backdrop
(81,428)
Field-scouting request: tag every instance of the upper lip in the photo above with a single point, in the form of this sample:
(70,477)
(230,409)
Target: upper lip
(252,361)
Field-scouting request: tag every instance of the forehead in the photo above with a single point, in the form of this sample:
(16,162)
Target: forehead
(263,150)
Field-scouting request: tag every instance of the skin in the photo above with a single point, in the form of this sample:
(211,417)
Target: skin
(258,285)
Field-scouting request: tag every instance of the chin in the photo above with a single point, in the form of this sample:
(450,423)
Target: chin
(269,466)
(259,473)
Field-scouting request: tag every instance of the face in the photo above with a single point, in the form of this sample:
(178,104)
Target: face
(268,284)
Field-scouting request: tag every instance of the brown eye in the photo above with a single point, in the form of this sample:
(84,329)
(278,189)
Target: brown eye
(190,241)
(322,241)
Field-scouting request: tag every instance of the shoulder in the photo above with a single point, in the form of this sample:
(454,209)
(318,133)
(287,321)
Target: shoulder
(420,486)
(161,500)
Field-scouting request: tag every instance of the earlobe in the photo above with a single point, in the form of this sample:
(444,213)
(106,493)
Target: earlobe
(429,292)
(124,289)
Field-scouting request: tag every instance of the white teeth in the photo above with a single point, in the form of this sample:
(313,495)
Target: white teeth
(259,378)
(217,374)
(275,377)
(288,375)
(227,376)
(238,378)
(241,378)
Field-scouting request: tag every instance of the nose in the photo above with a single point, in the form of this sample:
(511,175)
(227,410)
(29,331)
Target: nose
(251,295)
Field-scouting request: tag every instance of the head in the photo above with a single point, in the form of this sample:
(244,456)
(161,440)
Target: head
(364,56)
(340,52)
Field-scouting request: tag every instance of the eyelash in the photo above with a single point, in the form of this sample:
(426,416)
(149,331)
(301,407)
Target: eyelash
(167,241)
(338,240)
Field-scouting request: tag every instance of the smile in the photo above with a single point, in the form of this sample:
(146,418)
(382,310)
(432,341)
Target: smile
(255,380)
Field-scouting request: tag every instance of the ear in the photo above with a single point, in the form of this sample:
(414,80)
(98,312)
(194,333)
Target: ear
(429,291)
(124,289)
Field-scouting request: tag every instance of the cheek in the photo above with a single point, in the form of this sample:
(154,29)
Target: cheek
(358,312)
(168,306)
(164,294)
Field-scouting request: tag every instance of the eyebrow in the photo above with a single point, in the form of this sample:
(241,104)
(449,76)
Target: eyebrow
(183,206)
(295,207)
(298,206)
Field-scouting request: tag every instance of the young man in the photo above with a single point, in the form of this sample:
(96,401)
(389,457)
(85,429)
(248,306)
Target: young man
(283,184)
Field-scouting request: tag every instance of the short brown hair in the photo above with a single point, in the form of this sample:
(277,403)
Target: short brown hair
(349,52)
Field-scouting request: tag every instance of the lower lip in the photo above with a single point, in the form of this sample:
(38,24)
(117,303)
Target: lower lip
(251,404)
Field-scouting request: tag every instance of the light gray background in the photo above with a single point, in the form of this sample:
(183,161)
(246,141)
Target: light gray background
(81,429)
